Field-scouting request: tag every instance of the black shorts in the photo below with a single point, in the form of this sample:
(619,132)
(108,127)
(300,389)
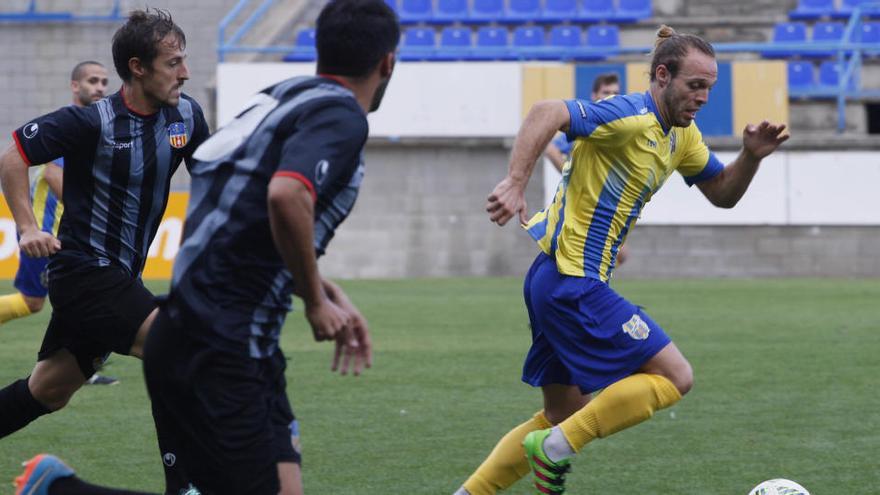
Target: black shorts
(223,420)
(95,311)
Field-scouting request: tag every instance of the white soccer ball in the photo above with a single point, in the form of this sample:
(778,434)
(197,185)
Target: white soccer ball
(779,487)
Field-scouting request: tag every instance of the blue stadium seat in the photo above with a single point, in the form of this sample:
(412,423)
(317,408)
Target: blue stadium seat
(418,44)
(824,32)
(305,47)
(870,34)
(522,11)
(483,11)
(633,10)
(455,44)
(847,7)
(565,41)
(559,10)
(606,37)
(787,32)
(801,74)
(450,11)
(492,44)
(415,11)
(595,11)
(812,10)
(528,43)
(830,73)
(392,4)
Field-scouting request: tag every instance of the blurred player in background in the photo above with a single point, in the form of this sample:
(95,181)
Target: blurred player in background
(586,337)
(88,83)
(268,192)
(604,85)
(119,156)
(559,150)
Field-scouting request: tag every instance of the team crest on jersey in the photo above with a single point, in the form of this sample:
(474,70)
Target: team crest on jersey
(637,328)
(177,135)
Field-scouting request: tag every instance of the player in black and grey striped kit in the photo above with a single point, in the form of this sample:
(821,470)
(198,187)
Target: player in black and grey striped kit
(119,155)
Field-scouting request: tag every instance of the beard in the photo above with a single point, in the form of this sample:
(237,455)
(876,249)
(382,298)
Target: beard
(379,95)
(673,107)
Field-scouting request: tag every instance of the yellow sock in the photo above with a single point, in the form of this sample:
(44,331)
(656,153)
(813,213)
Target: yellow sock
(12,306)
(507,463)
(623,404)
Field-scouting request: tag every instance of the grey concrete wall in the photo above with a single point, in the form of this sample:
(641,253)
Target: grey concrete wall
(752,251)
(36,59)
(421,213)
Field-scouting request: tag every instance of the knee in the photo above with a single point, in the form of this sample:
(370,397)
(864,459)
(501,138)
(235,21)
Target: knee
(53,397)
(34,304)
(682,377)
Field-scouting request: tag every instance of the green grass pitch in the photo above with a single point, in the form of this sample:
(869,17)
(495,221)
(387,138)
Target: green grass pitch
(786,386)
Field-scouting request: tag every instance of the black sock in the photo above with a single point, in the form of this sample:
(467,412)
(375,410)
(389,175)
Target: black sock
(18,407)
(76,486)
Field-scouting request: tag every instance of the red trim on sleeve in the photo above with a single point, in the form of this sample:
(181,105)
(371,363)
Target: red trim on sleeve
(20,149)
(302,178)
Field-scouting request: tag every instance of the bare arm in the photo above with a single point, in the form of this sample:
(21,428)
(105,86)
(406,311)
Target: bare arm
(16,188)
(727,188)
(54,176)
(543,121)
(291,217)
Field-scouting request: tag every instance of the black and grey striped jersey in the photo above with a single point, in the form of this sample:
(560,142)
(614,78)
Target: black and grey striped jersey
(230,286)
(117,175)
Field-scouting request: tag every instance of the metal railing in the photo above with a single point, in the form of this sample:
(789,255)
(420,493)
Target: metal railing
(33,14)
(231,45)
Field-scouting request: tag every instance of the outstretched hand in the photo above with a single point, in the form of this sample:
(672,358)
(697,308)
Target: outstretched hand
(762,139)
(507,200)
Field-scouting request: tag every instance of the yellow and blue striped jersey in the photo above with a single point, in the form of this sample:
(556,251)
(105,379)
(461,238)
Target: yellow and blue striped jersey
(622,154)
(47,206)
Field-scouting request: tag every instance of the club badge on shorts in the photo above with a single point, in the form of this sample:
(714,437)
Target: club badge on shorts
(177,135)
(637,328)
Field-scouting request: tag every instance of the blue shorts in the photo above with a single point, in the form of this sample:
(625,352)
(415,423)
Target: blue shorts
(583,332)
(31,278)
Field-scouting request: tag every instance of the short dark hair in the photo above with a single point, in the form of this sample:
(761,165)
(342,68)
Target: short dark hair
(605,79)
(671,47)
(139,37)
(353,35)
(77,73)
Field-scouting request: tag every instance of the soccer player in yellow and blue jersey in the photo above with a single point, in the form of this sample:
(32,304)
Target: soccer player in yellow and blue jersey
(88,83)
(30,279)
(586,337)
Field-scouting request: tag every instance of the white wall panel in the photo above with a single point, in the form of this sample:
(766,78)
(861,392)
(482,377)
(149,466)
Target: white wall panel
(835,188)
(423,100)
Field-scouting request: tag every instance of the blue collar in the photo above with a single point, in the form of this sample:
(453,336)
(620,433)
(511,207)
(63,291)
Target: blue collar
(649,101)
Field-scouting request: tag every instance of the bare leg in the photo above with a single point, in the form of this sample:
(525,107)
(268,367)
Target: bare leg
(561,401)
(137,348)
(290,475)
(54,380)
(35,304)
(671,364)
